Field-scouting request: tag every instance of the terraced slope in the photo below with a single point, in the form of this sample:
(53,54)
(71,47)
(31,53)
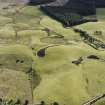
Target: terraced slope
(42,60)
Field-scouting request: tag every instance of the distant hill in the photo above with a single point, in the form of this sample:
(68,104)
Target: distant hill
(100,3)
(70,12)
(82,7)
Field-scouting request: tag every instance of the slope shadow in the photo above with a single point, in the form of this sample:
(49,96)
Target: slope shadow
(100,3)
(62,10)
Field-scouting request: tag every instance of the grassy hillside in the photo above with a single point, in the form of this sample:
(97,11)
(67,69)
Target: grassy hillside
(25,32)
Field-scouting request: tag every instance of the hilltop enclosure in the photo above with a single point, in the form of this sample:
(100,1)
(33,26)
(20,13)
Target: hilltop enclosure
(41,60)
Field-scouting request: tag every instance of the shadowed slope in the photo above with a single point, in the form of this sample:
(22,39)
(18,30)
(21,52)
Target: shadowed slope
(70,12)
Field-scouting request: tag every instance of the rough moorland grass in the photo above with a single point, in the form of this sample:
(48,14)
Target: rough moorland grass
(14,85)
(61,80)
(101,14)
(60,77)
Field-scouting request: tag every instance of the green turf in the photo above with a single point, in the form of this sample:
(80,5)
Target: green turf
(24,30)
